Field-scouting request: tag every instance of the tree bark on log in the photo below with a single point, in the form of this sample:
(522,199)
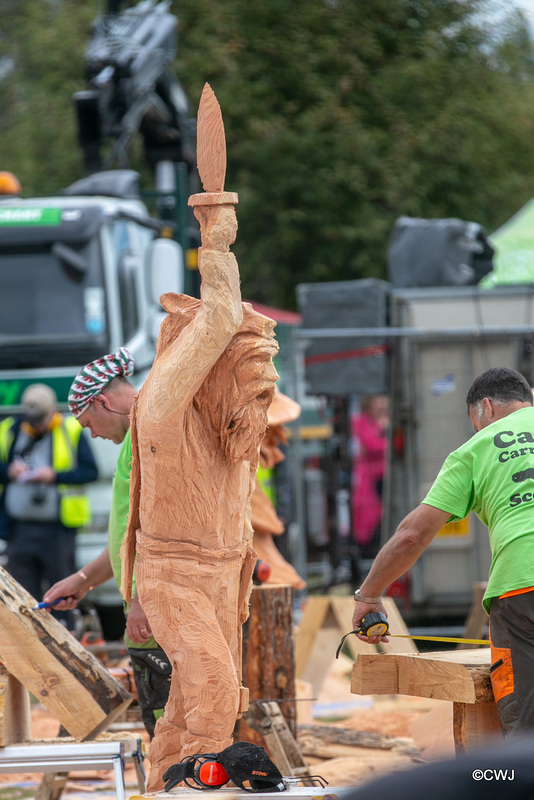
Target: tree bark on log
(268,655)
(314,737)
(70,682)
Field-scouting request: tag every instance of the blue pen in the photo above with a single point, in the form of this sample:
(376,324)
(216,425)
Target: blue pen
(47,605)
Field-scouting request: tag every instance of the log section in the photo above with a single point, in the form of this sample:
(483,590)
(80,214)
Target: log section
(40,653)
(268,655)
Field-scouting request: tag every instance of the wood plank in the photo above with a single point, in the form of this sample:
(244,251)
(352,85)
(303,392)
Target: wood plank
(15,714)
(267,719)
(323,653)
(343,609)
(68,680)
(479,657)
(52,785)
(460,675)
(312,620)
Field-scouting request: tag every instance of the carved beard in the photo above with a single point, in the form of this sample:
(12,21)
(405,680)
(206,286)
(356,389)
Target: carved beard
(243,435)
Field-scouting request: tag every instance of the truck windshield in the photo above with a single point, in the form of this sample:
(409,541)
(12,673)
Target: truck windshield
(52,303)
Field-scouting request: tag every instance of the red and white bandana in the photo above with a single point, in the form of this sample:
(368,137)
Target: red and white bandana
(95,376)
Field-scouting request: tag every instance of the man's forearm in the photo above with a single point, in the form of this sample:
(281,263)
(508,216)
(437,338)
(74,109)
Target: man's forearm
(99,570)
(410,540)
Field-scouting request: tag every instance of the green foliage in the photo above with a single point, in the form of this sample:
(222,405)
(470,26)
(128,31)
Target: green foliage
(45,40)
(340,116)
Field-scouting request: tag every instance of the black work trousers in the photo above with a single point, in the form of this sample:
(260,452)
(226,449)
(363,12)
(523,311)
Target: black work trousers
(512,661)
(38,555)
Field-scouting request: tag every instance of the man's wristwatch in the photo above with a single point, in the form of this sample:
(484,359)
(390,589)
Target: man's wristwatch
(361,598)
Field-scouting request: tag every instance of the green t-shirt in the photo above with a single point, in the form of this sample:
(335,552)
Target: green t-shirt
(118,520)
(493,475)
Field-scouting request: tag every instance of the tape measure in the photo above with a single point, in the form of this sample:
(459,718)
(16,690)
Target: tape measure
(376,624)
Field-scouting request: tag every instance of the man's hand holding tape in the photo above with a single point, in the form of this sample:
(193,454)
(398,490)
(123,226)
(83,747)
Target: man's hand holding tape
(411,538)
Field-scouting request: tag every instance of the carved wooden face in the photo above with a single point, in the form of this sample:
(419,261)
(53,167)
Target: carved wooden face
(255,377)
(234,399)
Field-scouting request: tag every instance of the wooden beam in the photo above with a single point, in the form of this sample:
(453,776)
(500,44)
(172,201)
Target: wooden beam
(70,682)
(461,676)
(312,621)
(15,715)
(52,786)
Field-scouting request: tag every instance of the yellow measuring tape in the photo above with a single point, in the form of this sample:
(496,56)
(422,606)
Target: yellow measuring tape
(440,639)
(376,624)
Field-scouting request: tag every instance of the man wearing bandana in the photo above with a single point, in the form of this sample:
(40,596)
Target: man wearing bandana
(44,464)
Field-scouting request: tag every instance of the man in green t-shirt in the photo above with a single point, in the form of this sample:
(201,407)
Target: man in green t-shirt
(101,398)
(492,475)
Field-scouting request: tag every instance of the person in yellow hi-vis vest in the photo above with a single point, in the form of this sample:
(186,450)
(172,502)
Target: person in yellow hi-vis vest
(44,463)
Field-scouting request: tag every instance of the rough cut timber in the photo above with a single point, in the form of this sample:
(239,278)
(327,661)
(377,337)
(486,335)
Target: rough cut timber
(40,653)
(15,716)
(461,676)
(313,738)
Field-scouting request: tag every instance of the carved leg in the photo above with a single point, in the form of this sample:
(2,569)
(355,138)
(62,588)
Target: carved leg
(194,614)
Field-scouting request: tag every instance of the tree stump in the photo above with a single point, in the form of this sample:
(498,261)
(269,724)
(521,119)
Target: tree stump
(268,655)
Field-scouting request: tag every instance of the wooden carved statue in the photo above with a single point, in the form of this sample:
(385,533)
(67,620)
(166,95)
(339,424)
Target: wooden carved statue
(196,427)
(265,521)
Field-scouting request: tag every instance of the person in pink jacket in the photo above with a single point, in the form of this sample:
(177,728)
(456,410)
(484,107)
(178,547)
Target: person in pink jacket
(369,436)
